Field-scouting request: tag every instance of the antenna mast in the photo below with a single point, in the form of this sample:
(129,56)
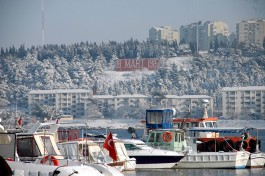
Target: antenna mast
(42,20)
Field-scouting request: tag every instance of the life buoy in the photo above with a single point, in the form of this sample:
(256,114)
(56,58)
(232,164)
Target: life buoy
(52,158)
(167,136)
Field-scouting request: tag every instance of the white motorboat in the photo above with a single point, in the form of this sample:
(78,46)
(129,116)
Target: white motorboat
(150,158)
(32,150)
(87,151)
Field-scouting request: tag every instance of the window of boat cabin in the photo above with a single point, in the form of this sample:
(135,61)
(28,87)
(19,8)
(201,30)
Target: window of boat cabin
(201,124)
(154,117)
(176,125)
(27,147)
(179,136)
(209,124)
(130,147)
(187,125)
(152,137)
(194,124)
(214,124)
(158,137)
(48,145)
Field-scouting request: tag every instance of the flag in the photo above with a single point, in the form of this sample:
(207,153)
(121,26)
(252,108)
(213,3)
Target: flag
(109,145)
(19,121)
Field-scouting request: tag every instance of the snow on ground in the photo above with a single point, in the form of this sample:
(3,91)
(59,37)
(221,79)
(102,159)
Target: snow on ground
(242,123)
(103,123)
(110,77)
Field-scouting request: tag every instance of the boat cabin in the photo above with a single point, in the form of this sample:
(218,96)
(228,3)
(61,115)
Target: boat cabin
(159,118)
(85,151)
(167,139)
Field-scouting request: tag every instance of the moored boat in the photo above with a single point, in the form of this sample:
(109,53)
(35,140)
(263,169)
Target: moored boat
(36,151)
(151,158)
(175,140)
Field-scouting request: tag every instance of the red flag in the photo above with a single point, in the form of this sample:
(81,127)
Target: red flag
(109,145)
(19,122)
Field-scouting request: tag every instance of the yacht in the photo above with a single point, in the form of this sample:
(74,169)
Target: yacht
(151,158)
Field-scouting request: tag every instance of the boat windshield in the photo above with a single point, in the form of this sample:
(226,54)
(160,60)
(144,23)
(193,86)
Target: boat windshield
(48,145)
(27,147)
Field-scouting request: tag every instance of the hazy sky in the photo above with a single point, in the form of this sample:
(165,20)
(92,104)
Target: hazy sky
(73,21)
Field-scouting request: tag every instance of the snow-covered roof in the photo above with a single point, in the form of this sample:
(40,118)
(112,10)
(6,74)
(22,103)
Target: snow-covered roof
(187,96)
(132,96)
(103,96)
(56,91)
(248,88)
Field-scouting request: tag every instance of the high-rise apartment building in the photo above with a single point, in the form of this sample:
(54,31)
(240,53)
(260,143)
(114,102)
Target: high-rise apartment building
(204,34)
(164,33)
(247,102)
(251,31)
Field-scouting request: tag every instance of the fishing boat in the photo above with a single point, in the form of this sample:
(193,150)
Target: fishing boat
(209,140)
(151,158)
(32,150)
(176,140)
(206,138)
(161,134)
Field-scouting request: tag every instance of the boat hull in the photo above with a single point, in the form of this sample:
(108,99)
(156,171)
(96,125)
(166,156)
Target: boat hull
(256,160)
(228,160)
(156,162)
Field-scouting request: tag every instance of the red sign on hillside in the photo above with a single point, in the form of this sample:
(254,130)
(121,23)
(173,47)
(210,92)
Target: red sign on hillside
(137,64)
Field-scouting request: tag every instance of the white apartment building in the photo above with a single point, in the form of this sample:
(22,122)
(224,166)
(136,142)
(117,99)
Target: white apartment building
(204,34)
(243,101)
(164,33)
(251,31)
(70,101)
(81,103)
(189,103)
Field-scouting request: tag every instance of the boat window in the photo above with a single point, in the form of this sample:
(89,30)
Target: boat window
(158,137)
(176,125)
(130,147)
(152,137)
(154,117)
(27,147)
(176,137)
(5,139)
(48,145)
(158,117)
(215,124)
(182,136)
(194,124)
(209,124)
(187,125)
(201,125)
